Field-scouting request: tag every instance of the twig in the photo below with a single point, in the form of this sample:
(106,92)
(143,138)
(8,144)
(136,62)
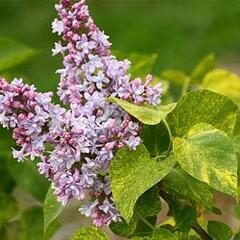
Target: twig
(201,232)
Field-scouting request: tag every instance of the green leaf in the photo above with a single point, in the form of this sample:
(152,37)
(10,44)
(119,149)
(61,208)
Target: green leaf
(141,238)
(184,215)
(145,226)
(208,155)
(238,157)
(175,76)
(158,234)
(203,106)
(219,230)
(223,82)
(13,53)
(164,110)
(146,210)
(51,230)
(156,138)
(149,204)
(206,64)
(136,227)
(236,134)
(123,228)
(52,209)
(162,233)
(89,233)
(181,182)
(185,218)
(146,114)
(131,174)
(190,238)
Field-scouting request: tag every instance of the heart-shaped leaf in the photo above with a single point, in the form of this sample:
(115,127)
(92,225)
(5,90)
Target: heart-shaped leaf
(181,182)
(131,174)
(208,155)
(203,106)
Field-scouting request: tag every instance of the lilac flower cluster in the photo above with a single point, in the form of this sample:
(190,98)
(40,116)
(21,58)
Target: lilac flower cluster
(76,144)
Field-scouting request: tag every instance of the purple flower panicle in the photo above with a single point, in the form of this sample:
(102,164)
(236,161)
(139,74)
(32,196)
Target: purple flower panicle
(76,144)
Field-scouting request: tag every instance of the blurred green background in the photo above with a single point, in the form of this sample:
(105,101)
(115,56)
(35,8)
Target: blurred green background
(180,32)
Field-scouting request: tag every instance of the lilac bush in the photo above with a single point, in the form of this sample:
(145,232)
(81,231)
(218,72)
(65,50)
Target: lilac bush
(77,140)
(112,145)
